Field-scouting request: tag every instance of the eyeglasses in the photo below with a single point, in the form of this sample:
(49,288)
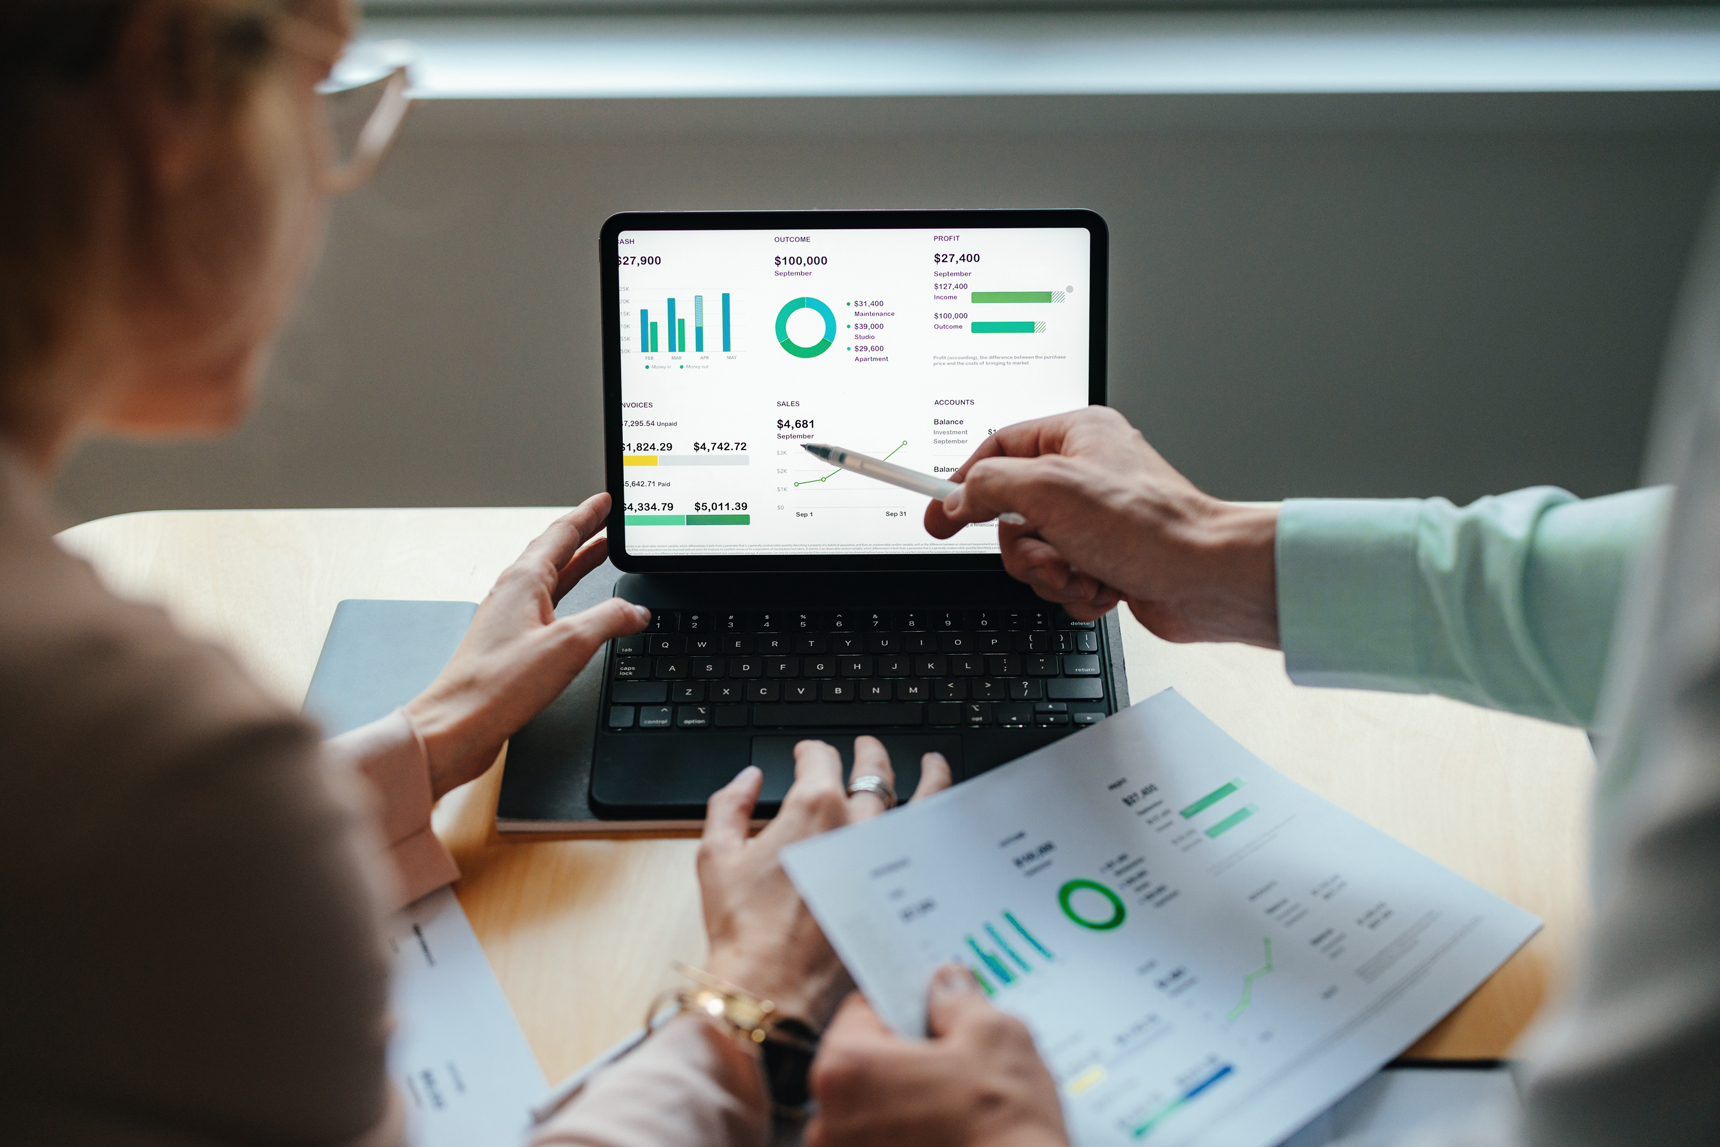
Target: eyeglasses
(365,99)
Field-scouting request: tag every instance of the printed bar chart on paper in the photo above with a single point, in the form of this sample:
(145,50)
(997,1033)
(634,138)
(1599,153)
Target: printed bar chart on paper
(1206,952)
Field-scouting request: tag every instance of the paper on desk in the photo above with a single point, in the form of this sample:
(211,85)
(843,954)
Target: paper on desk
(467,1075)
(1201,947)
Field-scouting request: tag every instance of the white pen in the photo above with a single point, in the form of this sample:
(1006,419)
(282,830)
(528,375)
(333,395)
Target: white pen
(927,484)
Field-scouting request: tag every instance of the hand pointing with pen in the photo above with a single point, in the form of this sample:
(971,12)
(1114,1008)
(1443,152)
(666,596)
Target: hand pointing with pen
(1109,520)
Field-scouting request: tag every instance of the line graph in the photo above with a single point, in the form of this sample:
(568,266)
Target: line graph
(838,470)
(1248,984)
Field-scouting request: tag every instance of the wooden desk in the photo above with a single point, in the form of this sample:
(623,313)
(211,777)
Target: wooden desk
(581,932)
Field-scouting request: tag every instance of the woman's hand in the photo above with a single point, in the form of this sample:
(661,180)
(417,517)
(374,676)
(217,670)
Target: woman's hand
(978,1080)
(762,937)
(1109,519)
(518,656)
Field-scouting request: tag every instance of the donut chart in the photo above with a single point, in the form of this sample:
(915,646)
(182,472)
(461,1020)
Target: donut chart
(795,348)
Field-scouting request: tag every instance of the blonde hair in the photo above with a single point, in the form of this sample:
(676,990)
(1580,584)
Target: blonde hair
(59,145)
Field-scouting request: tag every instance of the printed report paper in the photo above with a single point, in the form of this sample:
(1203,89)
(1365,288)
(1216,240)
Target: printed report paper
(1201,947)
(463,1066)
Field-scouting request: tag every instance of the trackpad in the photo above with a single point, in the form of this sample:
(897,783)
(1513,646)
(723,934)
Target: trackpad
(775,755)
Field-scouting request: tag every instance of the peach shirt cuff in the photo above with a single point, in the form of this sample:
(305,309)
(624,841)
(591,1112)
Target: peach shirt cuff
(391,757)
(689,1085)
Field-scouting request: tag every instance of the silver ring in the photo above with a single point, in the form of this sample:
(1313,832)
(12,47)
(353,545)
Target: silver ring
(877,786)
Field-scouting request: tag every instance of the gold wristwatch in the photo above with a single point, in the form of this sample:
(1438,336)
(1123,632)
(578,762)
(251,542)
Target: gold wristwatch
(786,1043)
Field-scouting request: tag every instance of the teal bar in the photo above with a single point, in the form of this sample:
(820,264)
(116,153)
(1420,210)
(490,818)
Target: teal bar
(719,519)
(725,321)
(645,331)
(992,962)
(656,519)
(1211,798)
(698,322)
(1016,924)
(1008,328)
(1230,822)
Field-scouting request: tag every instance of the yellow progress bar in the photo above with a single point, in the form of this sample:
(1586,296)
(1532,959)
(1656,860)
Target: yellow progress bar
(1089,1078)
(639,459)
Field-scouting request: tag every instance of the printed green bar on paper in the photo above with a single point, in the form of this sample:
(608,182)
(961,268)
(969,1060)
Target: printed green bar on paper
(719,519)
(1009,328)
(1230,822)
(1211,798)
(1014,297)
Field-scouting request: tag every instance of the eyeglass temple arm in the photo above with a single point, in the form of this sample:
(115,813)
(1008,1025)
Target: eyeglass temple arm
(376,136)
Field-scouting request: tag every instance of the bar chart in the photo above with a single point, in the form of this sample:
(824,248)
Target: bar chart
(674,326)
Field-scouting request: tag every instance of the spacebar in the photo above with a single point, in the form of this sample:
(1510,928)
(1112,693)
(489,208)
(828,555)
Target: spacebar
(867,715)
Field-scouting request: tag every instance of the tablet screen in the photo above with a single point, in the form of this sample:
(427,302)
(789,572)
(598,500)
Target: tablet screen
(911,345)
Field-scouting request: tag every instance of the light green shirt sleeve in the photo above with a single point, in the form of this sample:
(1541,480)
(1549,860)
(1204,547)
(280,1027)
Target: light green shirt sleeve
(1507,602)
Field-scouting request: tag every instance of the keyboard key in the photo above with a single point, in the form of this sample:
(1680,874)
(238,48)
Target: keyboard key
(883,643)
(931,667)
(693,716)
(805,645)
(986,619)
(957,643)
(1051,719)
(639,692)
(663,621)
(763,691)
(913,619)
(843,622)
(950,689)
(670,667)
(893,666)
(854,666)
(913,690)
(1088,718)
(781,667)
(872,716)
(988,690)
(993,643)
(1026,689)
(621,716)
(706,667)
(773,621)
(630,646)
(967,666)
(841,643)
(731,622)
(728,691)
(943,714)
(731,716)
(632,668)
(741,643)
(775,644)
(1081,665)
(876,690)
(874,621)
(1043,665)
(1065,641)
(1012,716)
(1076,689)
(818,666)
(664,644)
(976,713)
(687,691)
(801,622)
(1038,618)
(698,622)
(746,668)
(654,716)
(947,619)
(1041,641)
(704,643)
(1008,665)
(1081,624)
(1086,641)
(919,643)
(1051,707)
(800,692)
(837,691)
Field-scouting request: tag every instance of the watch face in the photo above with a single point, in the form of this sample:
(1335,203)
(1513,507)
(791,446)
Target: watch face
(788,1053)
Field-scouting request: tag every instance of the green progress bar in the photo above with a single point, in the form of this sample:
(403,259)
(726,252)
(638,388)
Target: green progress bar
(1211,798)
(1017,296)
(1231,821)
(1012,328)
(689,519)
